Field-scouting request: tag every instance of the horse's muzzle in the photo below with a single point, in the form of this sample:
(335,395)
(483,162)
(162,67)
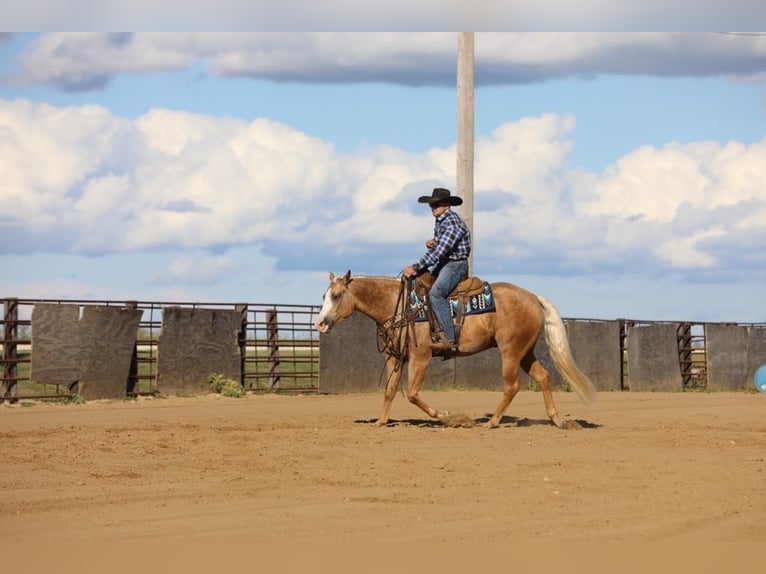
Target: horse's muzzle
(323,325)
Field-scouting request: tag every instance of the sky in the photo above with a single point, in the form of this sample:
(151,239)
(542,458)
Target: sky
(619,174)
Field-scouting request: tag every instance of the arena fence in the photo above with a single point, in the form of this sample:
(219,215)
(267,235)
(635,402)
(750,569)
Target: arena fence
(277,347)
(171,348)
(617,355)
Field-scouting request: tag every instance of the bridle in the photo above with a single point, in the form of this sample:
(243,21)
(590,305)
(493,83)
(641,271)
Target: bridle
(394,332)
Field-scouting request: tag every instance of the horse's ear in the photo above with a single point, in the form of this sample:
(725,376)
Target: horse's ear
(347,277)
(332,276)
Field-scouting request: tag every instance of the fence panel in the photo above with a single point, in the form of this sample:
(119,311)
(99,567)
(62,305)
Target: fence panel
(270,347)
(653,358)
(734,354)
(276,348)
(194,344)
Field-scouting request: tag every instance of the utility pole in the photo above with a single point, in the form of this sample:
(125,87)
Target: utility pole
(465,130)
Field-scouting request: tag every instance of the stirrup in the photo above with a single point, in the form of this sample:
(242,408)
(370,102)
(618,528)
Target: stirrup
(443,344)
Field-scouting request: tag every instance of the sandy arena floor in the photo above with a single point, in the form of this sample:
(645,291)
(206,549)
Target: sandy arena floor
(664,467)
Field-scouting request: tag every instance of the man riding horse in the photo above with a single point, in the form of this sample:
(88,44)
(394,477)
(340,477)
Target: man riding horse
(446,259)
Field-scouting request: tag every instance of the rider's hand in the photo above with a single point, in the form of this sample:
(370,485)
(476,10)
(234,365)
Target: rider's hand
(408,272)
(429,243)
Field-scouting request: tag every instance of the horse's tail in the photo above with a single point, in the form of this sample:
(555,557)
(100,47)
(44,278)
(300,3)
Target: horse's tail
(558,346)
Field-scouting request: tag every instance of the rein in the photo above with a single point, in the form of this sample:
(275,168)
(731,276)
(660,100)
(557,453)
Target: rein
(394,333)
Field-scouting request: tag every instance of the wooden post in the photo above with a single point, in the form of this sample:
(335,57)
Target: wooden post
(132,387)
(10,335)
(465,130)
(242,342)
(272,329)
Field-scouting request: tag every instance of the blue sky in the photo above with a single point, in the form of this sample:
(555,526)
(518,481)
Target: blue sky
(618,174)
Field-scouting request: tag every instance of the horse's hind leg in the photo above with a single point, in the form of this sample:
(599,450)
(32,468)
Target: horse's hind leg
(510,388)
(540,374)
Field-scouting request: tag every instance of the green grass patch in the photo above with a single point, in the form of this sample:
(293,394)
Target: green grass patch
(226,387)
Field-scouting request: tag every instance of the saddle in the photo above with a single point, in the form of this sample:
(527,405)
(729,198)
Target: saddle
(467,288)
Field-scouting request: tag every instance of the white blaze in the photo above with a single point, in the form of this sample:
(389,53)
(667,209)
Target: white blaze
(327,304)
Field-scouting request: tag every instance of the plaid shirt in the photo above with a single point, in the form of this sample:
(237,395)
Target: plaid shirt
(452,241)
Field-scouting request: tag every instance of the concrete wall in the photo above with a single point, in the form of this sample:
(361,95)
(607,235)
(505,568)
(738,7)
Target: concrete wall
(56,361)
(350,361)
(348,357)
(653,358)
(734,353)
(596,350)
(89,352)
(89,355)
(194,344)
(756,355)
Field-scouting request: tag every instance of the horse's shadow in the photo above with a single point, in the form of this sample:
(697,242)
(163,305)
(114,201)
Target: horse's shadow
(506,421)
(403,422)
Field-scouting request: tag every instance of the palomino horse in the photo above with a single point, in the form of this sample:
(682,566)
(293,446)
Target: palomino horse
(514,328)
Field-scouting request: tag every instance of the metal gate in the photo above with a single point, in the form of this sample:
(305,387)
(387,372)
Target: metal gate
(279,347)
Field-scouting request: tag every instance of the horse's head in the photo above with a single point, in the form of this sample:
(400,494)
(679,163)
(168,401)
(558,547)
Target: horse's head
(337,303)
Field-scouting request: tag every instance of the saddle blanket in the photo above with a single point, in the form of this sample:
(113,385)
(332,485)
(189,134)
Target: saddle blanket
(482,302)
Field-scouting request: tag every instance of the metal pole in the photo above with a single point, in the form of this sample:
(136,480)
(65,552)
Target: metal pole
(465,130)
(272,329)
(10,347)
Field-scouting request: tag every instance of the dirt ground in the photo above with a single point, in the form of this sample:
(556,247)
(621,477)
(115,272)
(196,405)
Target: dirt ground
(664,467)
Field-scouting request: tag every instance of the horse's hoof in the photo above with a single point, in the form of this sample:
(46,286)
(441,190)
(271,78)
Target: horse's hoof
(559,422)
(380,423)
(441,415)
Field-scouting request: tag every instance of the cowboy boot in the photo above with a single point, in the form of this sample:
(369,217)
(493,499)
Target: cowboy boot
(443,345)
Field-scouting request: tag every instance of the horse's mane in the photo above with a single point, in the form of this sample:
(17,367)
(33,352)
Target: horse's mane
(374,277)
(373,293)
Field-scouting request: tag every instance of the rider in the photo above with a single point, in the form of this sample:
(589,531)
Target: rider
(446,259)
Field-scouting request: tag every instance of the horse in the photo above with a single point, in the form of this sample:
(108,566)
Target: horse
(513,328)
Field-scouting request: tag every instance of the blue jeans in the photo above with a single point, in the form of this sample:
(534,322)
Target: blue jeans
(447,278)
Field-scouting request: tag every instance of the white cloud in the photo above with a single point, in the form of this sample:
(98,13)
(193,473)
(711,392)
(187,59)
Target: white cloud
(197,270)
(83,61)
(79,180)
(658,184)
(303,15)
(64,289)
(685,252)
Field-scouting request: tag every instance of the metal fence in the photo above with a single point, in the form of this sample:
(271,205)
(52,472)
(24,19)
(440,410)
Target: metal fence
(692,352)
(279,347)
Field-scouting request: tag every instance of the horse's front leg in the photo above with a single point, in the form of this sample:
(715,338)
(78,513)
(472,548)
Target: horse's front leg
(510,388)
(393,376)
(415,375)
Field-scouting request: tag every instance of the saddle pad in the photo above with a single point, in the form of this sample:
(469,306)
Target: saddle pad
(483,302)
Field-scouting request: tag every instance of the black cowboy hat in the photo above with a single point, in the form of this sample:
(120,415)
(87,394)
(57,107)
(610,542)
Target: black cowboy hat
(440,194)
